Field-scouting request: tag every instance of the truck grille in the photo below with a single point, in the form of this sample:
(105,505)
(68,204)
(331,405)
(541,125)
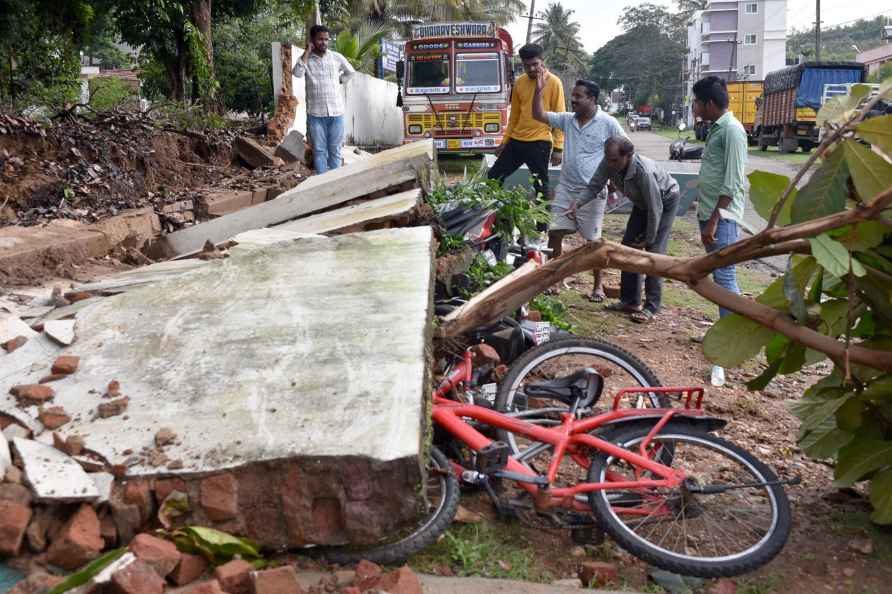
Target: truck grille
(455,120)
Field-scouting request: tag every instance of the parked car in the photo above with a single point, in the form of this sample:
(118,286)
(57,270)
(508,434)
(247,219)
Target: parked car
(643,123)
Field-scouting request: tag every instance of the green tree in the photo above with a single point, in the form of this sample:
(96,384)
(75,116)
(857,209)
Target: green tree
(362,48)
(837,42)
(558,34)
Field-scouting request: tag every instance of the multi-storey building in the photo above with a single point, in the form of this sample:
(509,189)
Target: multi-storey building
(736,40)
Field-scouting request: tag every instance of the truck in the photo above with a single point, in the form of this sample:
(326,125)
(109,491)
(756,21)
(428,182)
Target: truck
(742,98)
(792,98)
(455,86)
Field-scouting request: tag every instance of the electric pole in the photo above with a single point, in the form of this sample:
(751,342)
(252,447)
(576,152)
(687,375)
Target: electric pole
(530,20)
(818,30)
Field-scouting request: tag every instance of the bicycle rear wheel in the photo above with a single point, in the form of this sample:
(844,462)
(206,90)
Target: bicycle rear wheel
(439,506)
(687,531)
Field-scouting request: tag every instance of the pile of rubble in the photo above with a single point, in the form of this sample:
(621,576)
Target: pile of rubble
(179,394)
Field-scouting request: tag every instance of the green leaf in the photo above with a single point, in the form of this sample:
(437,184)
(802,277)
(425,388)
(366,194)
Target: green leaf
(841,108)
(735,339)
(814,411)
(877,131)
(817,287)
(216,546)
(850,415)
(775,349)
(879,389)
(877,293)
(89,572)
(825,440)
(871,173)
(774,296)
(864,236)
(794,359)
(793,293)
(765,190)
(866,327)
(881,497)
(764,378)
(834,256)
(860,458)
(835,313)
(826,191)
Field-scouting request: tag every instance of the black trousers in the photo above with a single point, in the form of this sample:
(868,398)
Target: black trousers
(535,154)
(630,282)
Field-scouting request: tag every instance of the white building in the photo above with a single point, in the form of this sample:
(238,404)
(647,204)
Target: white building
(742,40)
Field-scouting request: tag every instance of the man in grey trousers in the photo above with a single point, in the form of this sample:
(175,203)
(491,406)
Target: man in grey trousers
(654,196)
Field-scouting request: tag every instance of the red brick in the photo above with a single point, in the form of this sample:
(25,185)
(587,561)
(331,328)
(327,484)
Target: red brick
(108,530)
(113,408)
(11,345)
(139,493)
(598,573)
(33,393)
(209,587)
(217,204)
(281,580)
(114,389)
(723,586)
(136,578)
(351,590)
(235,576)
(53,417)
(401,581)
(161,555)
(14,518)
(164,436)
(79,540)
(66,364)
(219,498)
(164,487)
(368,574)
(37,583)
(190,568)
(52,378)
(76,296)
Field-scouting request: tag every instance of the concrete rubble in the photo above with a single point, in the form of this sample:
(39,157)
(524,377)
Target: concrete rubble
(276,393)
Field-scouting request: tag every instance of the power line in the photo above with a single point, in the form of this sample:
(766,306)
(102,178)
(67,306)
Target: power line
(843,23)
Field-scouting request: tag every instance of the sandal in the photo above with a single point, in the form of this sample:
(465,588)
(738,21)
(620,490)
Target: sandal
(597,297)
(620,307)
(645,316)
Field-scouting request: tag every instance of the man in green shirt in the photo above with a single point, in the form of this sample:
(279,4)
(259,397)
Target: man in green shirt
(721,182)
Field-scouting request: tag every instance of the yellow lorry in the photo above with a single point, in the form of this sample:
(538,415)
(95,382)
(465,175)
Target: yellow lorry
(742,96)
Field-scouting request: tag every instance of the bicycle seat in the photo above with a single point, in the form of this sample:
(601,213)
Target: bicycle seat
(585,385)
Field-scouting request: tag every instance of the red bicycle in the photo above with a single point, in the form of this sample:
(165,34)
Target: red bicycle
(655,479)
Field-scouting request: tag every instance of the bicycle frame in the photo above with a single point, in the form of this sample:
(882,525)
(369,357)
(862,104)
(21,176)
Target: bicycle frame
(570,437)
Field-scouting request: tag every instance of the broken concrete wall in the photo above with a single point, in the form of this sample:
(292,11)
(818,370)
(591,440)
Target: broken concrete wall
(293,377)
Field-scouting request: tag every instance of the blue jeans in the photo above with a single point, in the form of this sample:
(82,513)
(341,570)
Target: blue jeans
(725,235)
(327,135)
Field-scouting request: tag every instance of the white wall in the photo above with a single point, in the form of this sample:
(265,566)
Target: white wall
(371,116)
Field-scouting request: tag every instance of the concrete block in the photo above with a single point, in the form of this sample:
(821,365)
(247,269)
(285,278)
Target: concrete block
(217,204)
(293,148)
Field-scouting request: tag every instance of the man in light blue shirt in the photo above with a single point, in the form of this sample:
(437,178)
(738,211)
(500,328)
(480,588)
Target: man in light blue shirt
(585,129)
(721,181)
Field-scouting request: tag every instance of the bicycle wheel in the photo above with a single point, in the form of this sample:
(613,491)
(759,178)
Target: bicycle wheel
(561,358)
(439,507)
(686,531)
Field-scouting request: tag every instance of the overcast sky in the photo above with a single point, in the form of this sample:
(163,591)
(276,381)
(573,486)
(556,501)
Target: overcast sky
(598,18)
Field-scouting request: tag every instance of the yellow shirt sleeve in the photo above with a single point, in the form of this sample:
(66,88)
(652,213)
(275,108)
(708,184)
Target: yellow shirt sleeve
(558,105)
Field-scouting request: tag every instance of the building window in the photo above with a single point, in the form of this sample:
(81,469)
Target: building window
(751,8)
(749,39)
(749,69)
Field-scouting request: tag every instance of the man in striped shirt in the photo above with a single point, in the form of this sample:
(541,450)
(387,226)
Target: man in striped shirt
(325,71)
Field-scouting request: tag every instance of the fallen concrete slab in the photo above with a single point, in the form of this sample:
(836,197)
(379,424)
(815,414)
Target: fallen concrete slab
(53,476)
(295,377)
(384,170)
(365,214)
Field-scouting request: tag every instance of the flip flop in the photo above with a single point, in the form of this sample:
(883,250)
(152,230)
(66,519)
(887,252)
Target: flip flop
(620,307)
(645,316)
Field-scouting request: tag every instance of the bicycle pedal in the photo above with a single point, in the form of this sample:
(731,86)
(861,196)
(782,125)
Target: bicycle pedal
(493,457)
(587,535)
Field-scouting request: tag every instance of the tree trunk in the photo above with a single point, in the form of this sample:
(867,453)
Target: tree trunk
(201,18)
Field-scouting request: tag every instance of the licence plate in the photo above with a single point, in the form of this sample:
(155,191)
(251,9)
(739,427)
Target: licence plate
(453,144)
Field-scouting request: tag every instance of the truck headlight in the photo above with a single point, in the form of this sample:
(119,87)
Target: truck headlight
(491,128)
(415,129)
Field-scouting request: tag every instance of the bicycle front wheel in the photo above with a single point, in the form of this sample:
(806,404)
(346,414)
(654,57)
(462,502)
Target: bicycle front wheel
(729,518)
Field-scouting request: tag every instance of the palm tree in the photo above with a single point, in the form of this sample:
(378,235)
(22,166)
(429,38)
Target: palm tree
(559,36)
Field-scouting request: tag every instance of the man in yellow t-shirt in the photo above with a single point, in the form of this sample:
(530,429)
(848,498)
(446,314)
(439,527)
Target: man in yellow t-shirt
(528,141)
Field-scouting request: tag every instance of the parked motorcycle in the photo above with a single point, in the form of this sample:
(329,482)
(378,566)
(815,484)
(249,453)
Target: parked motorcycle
(680,150)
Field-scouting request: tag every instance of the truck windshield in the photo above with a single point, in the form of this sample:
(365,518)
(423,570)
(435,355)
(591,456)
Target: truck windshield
(477,73)
(428,74)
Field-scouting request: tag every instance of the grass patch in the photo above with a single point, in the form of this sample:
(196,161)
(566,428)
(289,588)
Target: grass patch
(775,154)
(766,584)
(674,134)
(484,550)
